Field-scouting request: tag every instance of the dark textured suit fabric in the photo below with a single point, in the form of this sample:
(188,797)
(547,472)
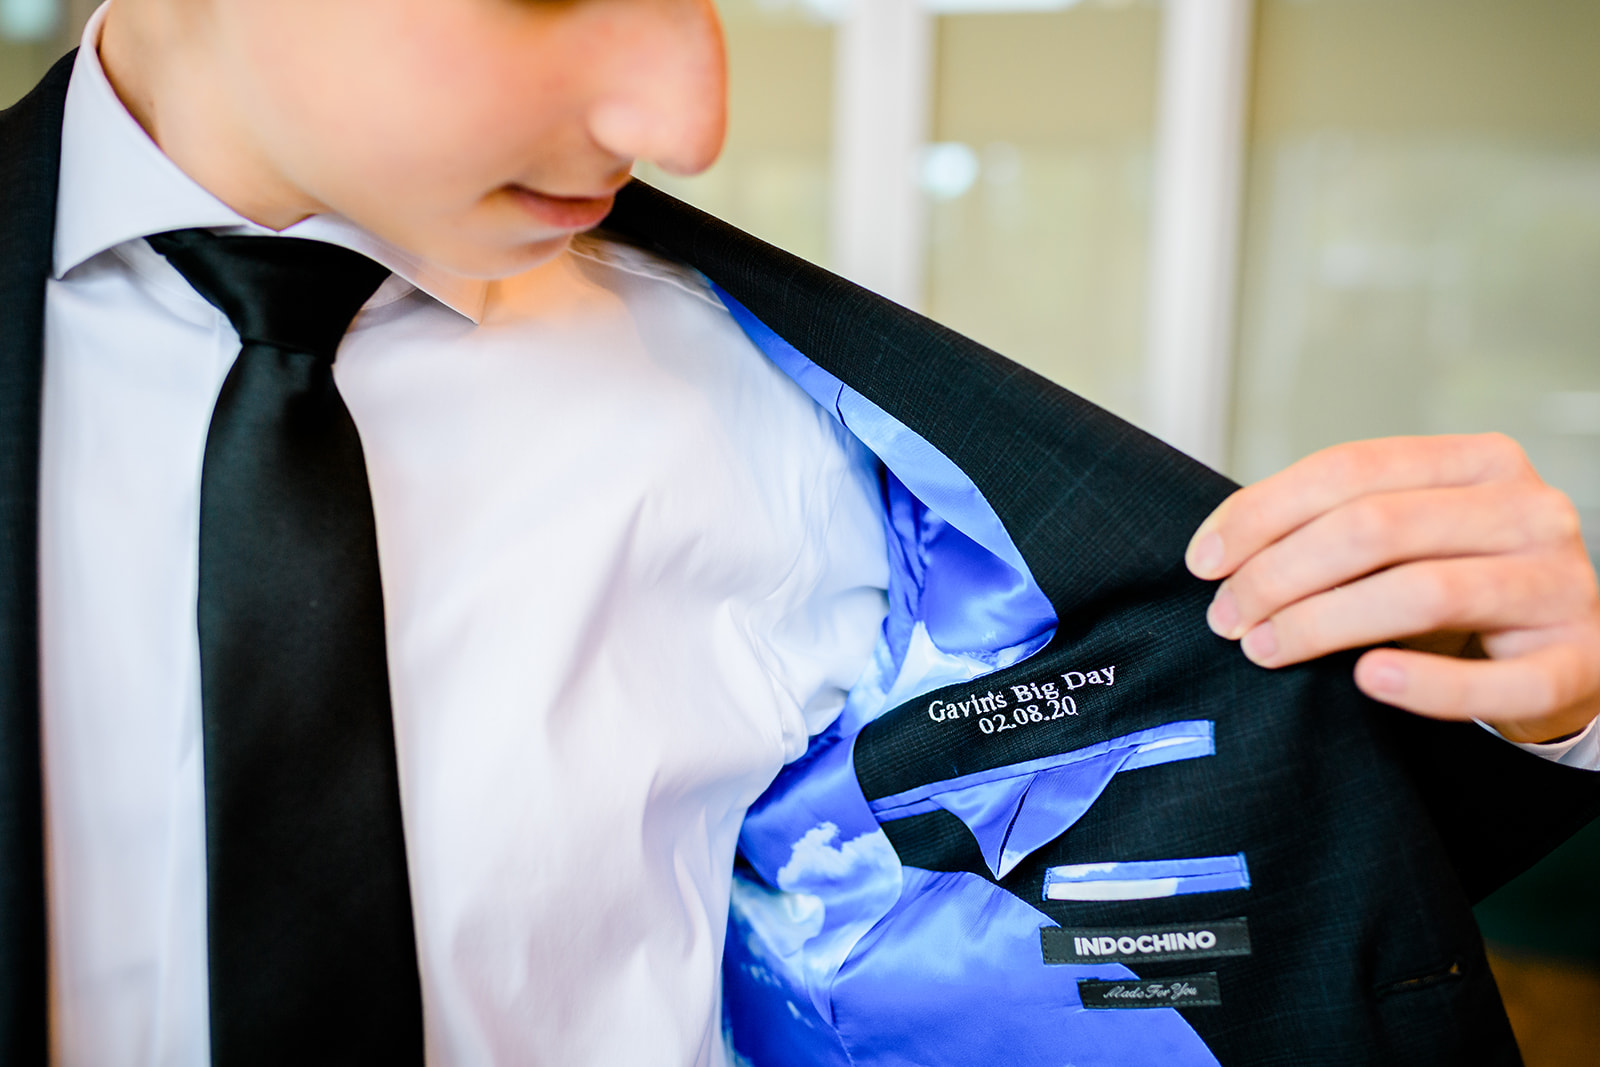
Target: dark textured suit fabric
(1369,832)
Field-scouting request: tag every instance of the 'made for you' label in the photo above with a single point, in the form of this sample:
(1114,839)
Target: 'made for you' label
(1126,944)
(1190,991)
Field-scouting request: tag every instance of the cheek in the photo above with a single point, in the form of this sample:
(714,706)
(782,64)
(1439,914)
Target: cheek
(419,109)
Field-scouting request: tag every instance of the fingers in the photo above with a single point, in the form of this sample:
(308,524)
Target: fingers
(1483,594)
(1374,532)
(1267,511)
(1540,696)
(1499,555)
(1411,537)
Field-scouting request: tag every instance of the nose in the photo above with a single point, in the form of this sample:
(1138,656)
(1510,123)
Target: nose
(667,94)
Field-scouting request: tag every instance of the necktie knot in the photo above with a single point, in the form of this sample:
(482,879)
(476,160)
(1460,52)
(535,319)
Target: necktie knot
(282,291)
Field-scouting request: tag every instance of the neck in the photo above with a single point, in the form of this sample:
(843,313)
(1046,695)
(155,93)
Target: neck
(166,67)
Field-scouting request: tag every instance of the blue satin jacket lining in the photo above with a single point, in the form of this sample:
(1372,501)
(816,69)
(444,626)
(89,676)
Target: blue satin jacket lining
(955,973)
(962,600)
(1016,809)
(1146,879)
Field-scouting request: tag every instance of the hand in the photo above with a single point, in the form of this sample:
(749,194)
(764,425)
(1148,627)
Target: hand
(1446,544)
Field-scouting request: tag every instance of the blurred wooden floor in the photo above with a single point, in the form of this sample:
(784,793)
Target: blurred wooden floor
(1554,1008)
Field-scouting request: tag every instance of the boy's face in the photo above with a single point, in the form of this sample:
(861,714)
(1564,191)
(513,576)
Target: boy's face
(476,134)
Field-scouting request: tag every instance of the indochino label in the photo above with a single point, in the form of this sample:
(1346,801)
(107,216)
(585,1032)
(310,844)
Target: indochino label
(1190,991)
(1127,944)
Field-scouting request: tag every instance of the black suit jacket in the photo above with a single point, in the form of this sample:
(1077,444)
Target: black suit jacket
(1370,832)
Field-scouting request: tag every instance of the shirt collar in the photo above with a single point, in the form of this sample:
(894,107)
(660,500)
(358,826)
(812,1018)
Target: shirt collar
(117,186)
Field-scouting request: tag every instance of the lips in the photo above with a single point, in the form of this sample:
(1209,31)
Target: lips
(563,212)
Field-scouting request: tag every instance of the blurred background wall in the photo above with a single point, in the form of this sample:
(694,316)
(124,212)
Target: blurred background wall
(1256,227)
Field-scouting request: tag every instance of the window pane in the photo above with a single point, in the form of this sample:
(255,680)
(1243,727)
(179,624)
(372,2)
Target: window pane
(1041,254)
(33,35)
(1423,231)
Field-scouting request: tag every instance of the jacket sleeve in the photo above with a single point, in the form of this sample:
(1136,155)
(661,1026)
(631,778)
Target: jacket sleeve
(1498,809)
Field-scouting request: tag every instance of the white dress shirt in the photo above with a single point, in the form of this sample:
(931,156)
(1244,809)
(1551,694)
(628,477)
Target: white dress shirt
(628,568)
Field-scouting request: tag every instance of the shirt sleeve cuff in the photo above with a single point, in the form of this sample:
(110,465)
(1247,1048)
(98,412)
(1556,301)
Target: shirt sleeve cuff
(1581,750)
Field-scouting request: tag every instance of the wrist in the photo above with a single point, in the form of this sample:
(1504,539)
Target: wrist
(1546,730)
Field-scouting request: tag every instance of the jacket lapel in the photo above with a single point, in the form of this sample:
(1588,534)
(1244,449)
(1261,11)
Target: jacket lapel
(1026,444)
(30,150)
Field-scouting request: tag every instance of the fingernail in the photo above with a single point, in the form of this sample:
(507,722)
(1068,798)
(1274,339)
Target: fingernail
(1205,555)
(1223,615)
(1387,678)
(1261,644)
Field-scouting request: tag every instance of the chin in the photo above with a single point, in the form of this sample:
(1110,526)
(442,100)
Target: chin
(498,261)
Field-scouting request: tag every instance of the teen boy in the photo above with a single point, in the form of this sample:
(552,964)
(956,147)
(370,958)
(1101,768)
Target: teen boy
(628,567)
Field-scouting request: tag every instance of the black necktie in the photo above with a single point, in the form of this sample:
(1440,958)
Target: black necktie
(312,955)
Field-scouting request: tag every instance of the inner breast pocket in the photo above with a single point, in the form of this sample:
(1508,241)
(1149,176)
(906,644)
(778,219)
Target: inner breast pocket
(1146,879)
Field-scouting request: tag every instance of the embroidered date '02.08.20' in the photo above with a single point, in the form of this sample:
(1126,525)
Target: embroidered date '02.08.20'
(1023,703)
